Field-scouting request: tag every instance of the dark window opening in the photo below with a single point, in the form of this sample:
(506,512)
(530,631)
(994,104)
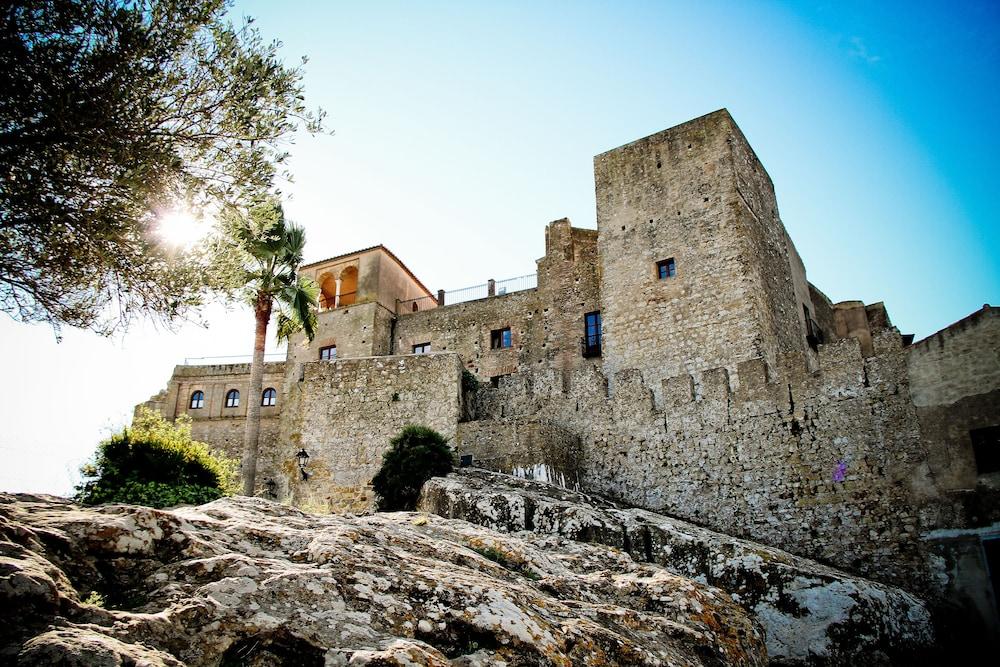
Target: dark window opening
(986,449)
(814,335)
(328,352)
(591,343)
(197,400)
(421,348)
(500,339)
(269,397)
(666,268)
(232,399)
(495,381)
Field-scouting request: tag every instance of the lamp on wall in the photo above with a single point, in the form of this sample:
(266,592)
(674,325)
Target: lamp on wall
(303,459)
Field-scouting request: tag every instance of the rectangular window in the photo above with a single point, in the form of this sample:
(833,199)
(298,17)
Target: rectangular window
(986,448)
(329,352)
(592,334)
(421,348)
(500,339)
(666,268)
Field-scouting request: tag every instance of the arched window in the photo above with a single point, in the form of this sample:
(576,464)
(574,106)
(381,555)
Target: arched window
(269,397)
(232,399)
(197,400)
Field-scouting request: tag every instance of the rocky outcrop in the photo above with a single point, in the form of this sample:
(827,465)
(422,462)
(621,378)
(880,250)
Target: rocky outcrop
(812,614)
(251,582)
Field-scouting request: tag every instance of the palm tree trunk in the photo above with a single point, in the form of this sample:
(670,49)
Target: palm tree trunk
(262,312)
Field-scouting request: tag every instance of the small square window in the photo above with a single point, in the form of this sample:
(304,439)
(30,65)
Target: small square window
(329,352)
(986,449)
(666,268)
(500,339)
(421,348)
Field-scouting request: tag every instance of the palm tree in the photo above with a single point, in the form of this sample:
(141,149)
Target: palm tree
(271,250)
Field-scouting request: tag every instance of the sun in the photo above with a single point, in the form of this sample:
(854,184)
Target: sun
(181,228)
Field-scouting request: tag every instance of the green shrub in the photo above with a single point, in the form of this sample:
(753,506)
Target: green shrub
(155,463)
(469,381)
(95,599)
(415,455)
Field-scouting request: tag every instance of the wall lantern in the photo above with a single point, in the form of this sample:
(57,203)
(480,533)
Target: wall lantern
(303,458)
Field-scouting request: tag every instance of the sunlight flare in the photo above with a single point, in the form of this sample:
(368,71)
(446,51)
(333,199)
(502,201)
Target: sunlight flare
(181,228)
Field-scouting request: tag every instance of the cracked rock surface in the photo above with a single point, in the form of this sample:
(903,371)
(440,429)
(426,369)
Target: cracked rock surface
(244,581)
(812,614)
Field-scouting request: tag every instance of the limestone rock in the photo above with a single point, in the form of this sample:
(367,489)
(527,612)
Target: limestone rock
(251,582)
(812,614)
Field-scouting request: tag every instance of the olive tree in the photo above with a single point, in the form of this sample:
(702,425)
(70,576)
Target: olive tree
(111,111)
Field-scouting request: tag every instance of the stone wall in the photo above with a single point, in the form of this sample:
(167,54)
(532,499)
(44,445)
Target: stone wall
(955,383)
(823,313)
(464,329)
(344,412)
(828,465)
(527,448)
(360,330)
(694,193)
(961,360)
(781,287)
(569,288)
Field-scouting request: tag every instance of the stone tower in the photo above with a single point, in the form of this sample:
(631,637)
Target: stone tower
(697,270)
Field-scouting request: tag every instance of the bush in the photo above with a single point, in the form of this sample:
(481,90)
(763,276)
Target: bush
(469,381)
(155,463)
(416,454)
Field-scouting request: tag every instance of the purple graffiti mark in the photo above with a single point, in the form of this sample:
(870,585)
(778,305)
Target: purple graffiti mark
(840,472)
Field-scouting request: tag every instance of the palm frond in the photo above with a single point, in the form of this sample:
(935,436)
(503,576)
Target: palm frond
(286,326)
(294,246)
(306,300)
(297,308)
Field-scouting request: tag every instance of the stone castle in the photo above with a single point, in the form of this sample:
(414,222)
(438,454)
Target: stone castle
(676,359)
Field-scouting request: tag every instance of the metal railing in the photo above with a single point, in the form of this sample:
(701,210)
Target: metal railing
(467,294)
(231,359)
(518,284)
(461,295)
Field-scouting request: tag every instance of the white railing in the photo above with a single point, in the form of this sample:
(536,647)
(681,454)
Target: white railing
(231,359)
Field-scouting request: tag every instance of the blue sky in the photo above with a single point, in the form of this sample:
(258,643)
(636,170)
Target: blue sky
(460,129)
